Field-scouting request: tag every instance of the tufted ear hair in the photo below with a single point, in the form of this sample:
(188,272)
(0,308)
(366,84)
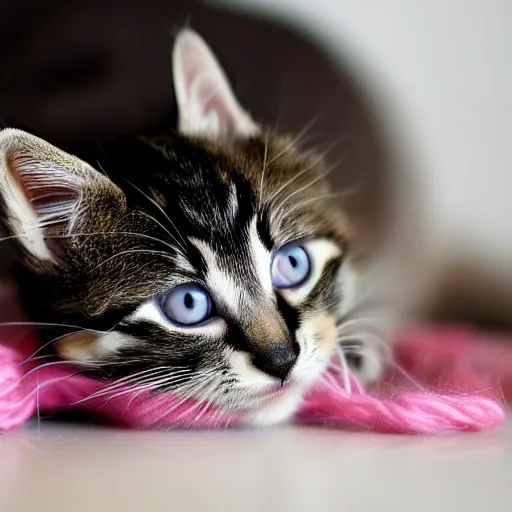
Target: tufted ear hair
(44,192)
(207,106)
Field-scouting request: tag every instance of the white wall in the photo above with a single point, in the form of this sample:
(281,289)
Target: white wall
(443,70)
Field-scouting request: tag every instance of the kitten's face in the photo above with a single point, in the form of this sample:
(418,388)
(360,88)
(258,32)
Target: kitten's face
(211,264)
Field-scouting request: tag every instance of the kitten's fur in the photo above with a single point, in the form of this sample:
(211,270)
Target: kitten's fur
(208,205)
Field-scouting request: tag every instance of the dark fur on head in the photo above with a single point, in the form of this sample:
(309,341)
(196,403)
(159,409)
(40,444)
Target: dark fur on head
(99,248)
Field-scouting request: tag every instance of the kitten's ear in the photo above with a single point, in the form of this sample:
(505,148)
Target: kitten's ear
(45,190)
(207,106)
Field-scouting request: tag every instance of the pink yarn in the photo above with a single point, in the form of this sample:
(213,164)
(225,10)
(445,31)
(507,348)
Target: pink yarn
(127,406)
(442,360)
(408,413)
(16,405)
(50,389)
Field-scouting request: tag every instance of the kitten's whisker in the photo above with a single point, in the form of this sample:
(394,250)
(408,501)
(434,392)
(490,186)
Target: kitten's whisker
(112,394)
(204,382)
(374,307)
(160,209)
(208,401)
(49,324)
(372,326)
(213,382)
(42,347)
(100,167)
(357,321)
(323,149)
(296,140)
(152,373)
(365,336)
(115,233)
(368,289)
(407,375)
(135,396)
(86,365)
(121,282)
(133,251)
(305,187)
(77,215)
(332,383)
(43,385)
(146,384)
(301,204)
(110,390)
(46,365)
(292,179)
(199,403)
(192,384)
(187,392)
(263,172)
(345,372)
(178,243)
(130,379)
(170,380)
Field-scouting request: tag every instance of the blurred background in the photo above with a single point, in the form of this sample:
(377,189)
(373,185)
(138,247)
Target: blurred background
(412,98)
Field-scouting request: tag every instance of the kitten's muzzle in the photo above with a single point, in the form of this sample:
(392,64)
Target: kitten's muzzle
(278,359)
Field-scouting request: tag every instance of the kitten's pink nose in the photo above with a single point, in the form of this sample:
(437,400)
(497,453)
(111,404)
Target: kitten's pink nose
(278,359)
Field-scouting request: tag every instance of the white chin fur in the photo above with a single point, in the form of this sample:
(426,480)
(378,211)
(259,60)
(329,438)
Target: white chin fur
(282,406)
(278,410)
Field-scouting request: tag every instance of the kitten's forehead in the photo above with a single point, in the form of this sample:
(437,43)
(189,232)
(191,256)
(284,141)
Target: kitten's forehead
(204,193)
(239,275)
(219,190)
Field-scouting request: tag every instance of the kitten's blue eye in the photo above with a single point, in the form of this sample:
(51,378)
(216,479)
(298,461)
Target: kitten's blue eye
(290,266)
(187,304)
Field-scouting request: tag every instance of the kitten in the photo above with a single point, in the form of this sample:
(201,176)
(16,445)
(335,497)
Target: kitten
(213,263)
